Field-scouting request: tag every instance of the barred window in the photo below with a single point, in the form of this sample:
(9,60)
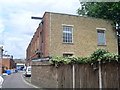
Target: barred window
(67,34)
(101,37)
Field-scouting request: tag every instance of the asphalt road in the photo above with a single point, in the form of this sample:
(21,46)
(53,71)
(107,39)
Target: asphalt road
(15,80)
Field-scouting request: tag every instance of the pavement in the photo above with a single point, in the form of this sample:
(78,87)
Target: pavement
(27,80)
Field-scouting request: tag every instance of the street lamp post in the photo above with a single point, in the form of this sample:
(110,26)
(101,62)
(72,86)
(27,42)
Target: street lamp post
(1,55)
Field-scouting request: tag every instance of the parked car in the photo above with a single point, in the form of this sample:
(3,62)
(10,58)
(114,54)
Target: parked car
(28,71)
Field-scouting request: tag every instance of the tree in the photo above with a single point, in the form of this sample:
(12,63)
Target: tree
(105,10)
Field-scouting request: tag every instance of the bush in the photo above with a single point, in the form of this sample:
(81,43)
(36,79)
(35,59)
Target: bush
(100,55)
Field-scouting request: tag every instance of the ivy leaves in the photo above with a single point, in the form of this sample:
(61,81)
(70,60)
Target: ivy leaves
(103,56)
(57,60)
(100,55)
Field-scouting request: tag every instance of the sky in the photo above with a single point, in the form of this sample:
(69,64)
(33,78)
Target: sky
(17,27)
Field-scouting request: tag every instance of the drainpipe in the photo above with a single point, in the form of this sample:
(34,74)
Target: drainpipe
(42,47)
(50,30)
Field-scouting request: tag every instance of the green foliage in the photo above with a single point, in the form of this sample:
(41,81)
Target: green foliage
(109,57)
(103,56)
(105,10)
(100,55)
(97,56)
(83,60)
(57,60)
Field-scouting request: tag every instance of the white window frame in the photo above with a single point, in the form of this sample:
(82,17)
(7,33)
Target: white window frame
(63,31)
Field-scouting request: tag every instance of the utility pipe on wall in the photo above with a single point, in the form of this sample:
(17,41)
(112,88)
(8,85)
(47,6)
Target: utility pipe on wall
(100,76)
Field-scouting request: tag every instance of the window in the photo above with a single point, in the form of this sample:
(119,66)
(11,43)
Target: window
(101,37)
(67,34)
(67,54)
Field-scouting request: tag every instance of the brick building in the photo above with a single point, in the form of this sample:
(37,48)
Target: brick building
(64,34)
(8,63)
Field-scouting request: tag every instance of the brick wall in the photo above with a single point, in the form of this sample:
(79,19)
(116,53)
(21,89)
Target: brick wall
(35,44)
(45,75)
(84,36)
(39,41)
(8,63)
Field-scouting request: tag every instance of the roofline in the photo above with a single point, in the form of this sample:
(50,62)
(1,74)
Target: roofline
(75,15)
(62,13)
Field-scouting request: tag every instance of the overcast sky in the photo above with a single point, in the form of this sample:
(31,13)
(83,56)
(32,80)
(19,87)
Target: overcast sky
(16,25)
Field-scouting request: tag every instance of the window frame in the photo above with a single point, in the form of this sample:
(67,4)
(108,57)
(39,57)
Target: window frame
(67,34)
(104,37)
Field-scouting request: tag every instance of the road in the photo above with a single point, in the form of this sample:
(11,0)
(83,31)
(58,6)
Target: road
(15,80)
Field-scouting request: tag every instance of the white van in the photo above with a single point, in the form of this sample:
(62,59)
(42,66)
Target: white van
(28,71)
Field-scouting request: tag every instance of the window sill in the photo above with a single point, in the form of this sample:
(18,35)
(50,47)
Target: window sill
(102,45)
(68,43)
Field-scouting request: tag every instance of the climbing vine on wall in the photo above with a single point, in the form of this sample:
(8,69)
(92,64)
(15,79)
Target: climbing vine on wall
(100,55)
